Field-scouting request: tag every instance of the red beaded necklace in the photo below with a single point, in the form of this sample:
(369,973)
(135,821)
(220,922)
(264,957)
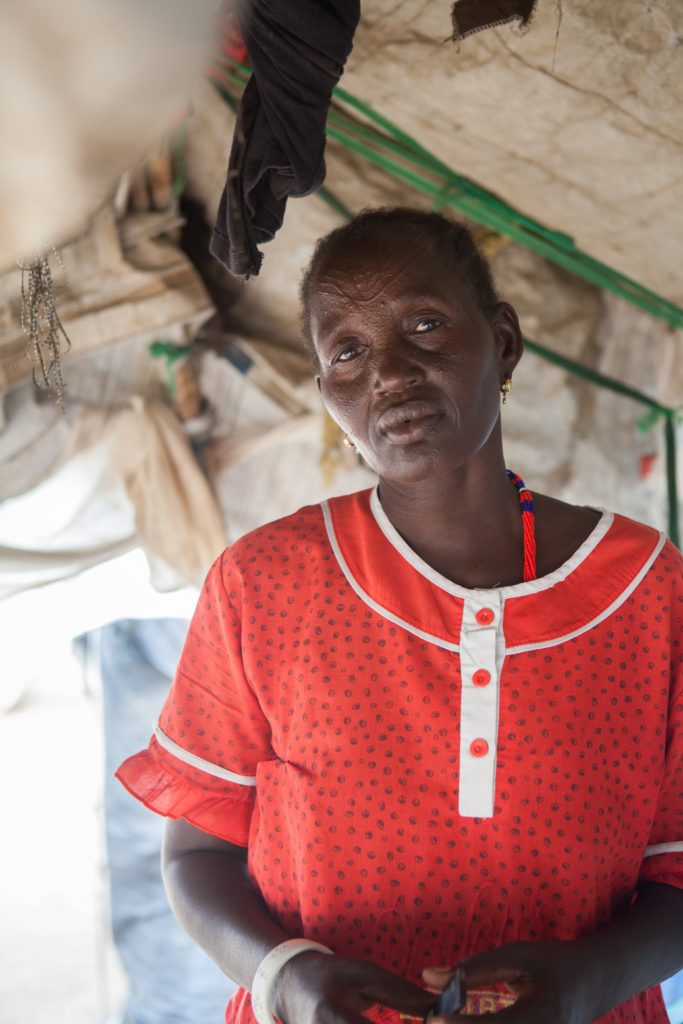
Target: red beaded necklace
(528,525)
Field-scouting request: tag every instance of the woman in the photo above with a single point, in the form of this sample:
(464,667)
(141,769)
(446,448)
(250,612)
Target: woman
(435,724)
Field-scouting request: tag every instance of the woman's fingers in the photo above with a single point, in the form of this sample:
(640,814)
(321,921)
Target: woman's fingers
(499,965)
(391,990)
(522,983)
(437,977)
(488,974)
(335,990)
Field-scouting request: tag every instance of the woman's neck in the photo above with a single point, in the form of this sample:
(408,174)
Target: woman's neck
(465,523)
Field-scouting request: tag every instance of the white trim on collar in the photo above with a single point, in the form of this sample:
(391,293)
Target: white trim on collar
(654,851)
(198,762)
(517,589)
(364,596)
(483,595)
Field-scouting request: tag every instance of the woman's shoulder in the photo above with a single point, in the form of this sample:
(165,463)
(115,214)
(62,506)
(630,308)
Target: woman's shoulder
(650,544)
(643,536)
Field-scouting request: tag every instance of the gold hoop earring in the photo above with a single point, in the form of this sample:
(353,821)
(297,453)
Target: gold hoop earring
(349,444)
(505,389)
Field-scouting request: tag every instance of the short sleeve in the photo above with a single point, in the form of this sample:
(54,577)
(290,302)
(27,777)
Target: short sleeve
(201,762)
(663,859)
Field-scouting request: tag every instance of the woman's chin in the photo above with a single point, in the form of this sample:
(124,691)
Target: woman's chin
(410,463)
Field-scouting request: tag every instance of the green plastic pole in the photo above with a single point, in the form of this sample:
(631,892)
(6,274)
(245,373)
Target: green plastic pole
(671,477)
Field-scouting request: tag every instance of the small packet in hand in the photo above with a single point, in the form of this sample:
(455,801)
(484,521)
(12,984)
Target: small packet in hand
(475,1002)
(489,999)
(451,1000)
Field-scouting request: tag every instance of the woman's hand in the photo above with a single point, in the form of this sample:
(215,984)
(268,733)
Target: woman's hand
(551,980)
(314,988)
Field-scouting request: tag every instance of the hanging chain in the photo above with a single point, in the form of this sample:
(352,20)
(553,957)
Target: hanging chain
(40,322)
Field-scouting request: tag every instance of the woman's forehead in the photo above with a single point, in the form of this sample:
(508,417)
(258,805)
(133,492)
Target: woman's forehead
(383,256)
(403,265)
(379,246)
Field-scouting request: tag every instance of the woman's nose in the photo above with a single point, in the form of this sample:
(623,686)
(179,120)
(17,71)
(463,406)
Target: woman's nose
(396,367)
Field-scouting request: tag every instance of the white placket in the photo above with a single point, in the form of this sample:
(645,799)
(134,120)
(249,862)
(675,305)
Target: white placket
(481,645)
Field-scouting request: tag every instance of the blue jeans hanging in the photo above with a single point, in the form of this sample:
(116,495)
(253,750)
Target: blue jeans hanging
(171,980)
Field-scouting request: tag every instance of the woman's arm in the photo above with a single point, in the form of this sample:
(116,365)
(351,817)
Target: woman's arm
(641,948)
(210,892)
(578,982)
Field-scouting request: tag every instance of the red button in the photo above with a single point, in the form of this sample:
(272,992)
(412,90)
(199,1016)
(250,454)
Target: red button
(479,748)
(485,616)
(482,677)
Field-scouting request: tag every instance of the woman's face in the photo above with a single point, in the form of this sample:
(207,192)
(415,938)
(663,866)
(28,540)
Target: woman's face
(409,367)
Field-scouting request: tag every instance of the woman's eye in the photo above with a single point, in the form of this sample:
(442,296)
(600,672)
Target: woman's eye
(347,353)
(426,324)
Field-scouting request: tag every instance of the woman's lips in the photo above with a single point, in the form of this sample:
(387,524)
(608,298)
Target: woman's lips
(409,421)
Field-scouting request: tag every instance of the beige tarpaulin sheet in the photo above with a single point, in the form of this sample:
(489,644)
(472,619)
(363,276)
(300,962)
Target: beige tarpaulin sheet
(126,478)
(177,519)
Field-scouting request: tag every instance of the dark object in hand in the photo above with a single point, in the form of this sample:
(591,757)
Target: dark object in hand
(450,1000)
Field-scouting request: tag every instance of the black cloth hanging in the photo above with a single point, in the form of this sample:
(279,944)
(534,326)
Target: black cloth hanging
(297,49)
(470,16)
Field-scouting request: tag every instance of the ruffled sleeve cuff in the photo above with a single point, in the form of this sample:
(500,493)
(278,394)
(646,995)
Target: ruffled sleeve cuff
(220,808)
(663,863)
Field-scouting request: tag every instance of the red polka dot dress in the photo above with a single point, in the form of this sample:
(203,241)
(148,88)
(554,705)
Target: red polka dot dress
(421,771)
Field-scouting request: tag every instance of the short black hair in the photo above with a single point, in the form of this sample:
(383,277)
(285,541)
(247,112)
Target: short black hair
(452,234)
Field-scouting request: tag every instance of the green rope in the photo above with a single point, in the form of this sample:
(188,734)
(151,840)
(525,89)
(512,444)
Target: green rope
(334,202)
(595,377)
(395,151)
(432,162)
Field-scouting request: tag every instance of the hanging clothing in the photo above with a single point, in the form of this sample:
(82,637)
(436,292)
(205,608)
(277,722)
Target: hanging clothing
(297,49)
(170,979)
(470,16)
(421,771)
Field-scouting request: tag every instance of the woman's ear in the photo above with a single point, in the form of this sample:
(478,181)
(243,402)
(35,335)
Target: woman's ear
(508,336)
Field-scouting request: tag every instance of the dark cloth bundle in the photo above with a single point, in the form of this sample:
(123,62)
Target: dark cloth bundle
(470,16)
(297,49)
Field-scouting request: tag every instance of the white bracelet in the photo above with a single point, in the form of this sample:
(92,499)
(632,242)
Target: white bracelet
(268,970)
